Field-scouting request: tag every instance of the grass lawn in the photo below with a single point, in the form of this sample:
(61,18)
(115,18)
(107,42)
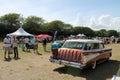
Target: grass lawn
(37,67)
(22,53)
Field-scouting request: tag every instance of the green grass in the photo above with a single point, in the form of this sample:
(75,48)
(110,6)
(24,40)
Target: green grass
(22,53)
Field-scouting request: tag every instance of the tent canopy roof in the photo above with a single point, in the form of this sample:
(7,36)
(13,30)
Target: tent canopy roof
(41,36)
(81,35)
(20,32)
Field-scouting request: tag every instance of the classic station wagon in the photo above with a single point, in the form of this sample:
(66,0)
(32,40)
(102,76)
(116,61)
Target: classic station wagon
(80,53)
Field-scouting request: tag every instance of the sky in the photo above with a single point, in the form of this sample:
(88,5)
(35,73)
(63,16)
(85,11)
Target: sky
(96,14)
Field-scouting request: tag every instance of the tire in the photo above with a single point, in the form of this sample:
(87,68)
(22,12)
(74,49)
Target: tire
(110,54)
(93,66)
(107,59)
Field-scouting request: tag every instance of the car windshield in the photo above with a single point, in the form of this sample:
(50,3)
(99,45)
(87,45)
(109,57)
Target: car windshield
(74,45)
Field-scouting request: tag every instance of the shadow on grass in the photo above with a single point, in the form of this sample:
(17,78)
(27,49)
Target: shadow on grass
(47,51)
(7,59)
(38,53)
(102,72)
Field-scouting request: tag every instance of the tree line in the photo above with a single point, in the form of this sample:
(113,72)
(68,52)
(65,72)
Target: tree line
(37,25)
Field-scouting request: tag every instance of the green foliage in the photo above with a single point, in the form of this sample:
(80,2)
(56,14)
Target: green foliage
(10,22)
(55,26)
(45,28)
(104,33)
(62,28)
(37,25)
(67,29)
(33,24)
(101,33)
(84,30)
(113,33)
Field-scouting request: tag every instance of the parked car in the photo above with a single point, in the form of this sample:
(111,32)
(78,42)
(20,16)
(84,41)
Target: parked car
(118,40)
(81,53)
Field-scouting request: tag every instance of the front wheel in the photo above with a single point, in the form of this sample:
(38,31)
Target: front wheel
(93,66)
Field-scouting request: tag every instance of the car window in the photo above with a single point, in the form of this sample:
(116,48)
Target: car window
(101,45)
(91,46)
(74,45)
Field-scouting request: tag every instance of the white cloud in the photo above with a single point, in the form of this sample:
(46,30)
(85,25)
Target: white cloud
(105,22)
(78,21)
(92,22)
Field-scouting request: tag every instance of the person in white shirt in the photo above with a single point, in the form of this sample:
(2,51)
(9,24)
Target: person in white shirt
(7,46)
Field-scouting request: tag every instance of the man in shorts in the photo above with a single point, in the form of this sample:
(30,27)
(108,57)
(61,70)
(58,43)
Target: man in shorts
(7,46)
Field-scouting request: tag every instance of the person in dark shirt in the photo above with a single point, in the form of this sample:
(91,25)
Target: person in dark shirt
(44,43)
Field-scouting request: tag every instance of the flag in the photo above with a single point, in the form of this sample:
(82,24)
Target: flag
(55,34)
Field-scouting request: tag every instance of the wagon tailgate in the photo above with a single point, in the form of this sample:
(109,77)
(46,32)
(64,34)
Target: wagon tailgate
(72,55)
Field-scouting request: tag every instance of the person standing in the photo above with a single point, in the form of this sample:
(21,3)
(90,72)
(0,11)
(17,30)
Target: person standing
(15,47)
(36,47)
(44,43)
(23,44)
(7,46)
(27,44)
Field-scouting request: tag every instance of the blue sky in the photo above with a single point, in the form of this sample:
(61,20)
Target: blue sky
(97,14)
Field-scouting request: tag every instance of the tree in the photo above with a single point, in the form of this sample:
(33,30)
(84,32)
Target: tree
(76,30)
(67,29)
(10,22)
(45,28)
(88,32)
(84,30)
(63,30)
(56,25)
(113,33)
(33,24)
(101,33)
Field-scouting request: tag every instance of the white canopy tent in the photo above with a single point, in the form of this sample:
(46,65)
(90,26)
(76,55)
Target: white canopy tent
(20,32)
(81,35)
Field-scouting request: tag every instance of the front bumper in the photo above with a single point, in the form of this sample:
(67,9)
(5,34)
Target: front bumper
(67,63)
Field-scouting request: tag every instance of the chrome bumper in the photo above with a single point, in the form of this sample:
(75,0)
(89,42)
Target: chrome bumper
(67,63)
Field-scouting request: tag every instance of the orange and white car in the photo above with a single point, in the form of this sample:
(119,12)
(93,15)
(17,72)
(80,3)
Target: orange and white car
(80,53)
